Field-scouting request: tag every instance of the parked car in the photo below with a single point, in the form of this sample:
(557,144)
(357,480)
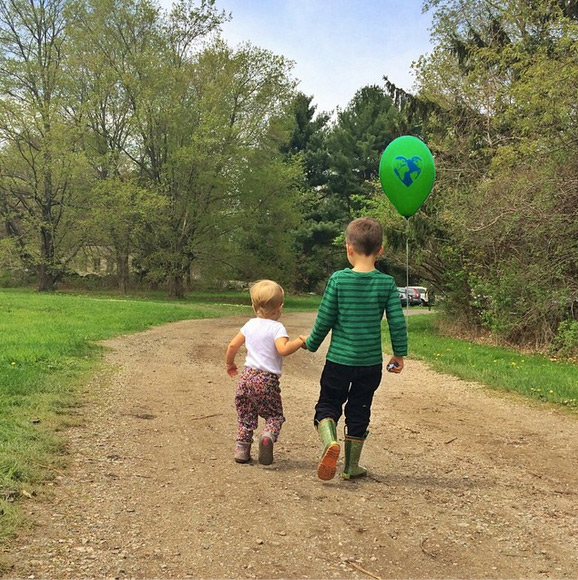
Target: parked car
(402,296)
(423,294)
(414,298)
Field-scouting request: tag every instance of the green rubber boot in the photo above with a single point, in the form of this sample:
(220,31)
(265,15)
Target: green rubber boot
(353,447)
(327,430)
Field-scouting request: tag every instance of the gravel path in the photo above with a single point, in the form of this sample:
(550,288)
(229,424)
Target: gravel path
(464,483)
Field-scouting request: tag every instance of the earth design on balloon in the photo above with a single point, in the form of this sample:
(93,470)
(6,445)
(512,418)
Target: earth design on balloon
(408,170)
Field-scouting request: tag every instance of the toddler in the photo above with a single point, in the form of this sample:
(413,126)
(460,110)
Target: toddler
(258,393)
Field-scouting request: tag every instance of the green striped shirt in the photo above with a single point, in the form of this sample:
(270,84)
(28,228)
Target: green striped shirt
(352,308)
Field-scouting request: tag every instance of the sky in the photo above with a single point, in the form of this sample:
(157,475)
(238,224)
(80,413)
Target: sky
(338,46)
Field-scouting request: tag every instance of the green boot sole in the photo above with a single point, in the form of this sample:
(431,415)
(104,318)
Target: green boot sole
(359,472)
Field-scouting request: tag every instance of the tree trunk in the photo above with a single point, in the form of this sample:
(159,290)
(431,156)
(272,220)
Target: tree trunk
(122,272)
(46,277)
(46,280)
(176,286)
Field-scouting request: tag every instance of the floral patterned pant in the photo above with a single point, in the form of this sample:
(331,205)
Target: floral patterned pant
(258,395)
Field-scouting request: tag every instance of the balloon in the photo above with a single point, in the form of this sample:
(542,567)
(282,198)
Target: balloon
(407,173)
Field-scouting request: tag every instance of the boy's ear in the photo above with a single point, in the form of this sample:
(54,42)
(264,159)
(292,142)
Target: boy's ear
(379,252)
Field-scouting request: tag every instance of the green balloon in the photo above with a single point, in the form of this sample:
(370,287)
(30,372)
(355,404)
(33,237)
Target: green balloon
(407,173)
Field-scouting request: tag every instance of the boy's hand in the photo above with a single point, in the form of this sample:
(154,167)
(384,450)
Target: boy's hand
(395,364)
(303,338)
(232,370)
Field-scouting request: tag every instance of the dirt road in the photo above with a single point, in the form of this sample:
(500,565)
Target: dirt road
(463,483)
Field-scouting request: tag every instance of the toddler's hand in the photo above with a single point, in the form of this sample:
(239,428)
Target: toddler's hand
(232,370)
(303,338)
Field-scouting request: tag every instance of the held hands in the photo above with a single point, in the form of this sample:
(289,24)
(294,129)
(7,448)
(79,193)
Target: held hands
(395,364)
(303,338)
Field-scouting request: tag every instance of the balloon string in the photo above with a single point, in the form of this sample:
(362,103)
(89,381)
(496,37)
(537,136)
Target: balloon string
(407,271)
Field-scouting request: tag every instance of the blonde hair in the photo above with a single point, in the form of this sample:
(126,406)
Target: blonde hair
(266,297)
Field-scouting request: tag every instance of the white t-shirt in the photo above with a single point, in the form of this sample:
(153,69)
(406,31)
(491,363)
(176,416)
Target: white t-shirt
(260,336)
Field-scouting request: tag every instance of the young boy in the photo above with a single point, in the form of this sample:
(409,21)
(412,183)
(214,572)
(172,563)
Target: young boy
(352,308)
(258,393)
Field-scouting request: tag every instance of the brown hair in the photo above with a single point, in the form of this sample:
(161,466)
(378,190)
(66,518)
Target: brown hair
(365,236)
(266,297)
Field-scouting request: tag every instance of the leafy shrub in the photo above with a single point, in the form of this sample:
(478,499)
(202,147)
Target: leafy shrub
(565,343)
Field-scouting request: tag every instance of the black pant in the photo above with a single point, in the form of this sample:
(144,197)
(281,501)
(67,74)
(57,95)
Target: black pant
(352,386)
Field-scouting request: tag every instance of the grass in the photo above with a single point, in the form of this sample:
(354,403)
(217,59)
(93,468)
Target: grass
(301,303)
(534,376)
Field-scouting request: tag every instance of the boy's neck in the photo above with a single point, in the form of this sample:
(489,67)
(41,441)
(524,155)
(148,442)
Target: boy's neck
(363,263)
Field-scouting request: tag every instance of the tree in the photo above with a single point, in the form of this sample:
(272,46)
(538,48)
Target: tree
(198,119)
(342,165)
(262,243)
(362,131)
(114,108)
(106,40)
(504,128)
(313,243)
(244,96)
(143,122)
(41,181)
(122,216)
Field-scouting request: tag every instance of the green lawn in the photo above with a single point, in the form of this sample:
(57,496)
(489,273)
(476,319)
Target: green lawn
(534,376)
